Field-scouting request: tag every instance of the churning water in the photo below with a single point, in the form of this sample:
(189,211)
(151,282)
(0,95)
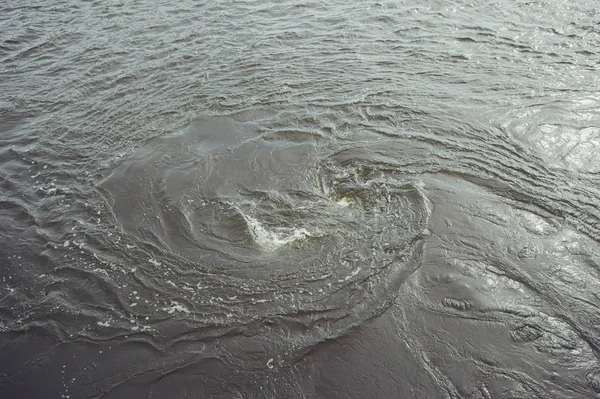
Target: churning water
(235,199)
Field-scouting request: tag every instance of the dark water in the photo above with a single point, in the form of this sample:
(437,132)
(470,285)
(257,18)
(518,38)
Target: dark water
(393,199)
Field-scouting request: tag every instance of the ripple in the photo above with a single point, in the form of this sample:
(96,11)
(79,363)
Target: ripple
(566,131)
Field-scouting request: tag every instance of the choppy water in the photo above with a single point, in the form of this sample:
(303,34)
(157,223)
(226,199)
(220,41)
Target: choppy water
(300,199)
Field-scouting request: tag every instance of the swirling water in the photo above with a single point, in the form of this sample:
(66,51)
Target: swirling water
(300,199)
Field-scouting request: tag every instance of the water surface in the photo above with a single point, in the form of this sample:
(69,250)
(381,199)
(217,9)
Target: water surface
(300,199)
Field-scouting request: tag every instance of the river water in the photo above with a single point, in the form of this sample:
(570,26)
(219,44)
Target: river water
(300,199)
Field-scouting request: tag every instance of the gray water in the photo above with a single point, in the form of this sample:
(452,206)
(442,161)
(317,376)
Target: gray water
(393,199)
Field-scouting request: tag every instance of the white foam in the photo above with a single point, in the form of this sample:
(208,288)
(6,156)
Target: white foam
(344,202)
(269,240)
(176,307)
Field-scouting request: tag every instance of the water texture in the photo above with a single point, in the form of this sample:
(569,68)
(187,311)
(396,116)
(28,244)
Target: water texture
(300,199)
